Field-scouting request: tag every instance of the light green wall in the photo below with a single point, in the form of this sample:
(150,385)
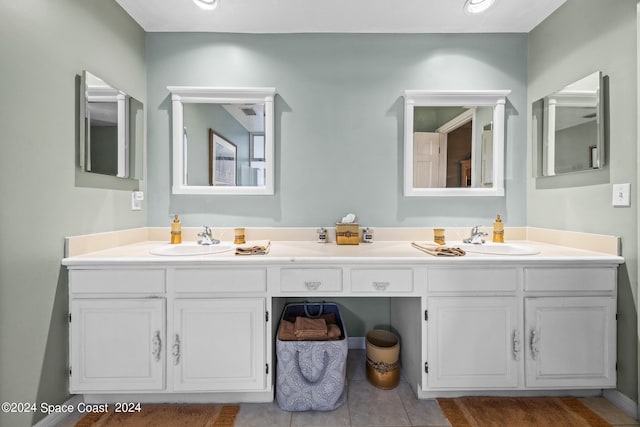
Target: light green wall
(339,122)
(339,128)
(44,45)
(581,37)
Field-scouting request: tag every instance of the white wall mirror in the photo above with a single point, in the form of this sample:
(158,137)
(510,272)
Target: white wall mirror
(223,140)
(111,129)
(568,128)
(454,143)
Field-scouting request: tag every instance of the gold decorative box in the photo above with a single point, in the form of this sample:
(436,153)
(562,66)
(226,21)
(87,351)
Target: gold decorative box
(347,234)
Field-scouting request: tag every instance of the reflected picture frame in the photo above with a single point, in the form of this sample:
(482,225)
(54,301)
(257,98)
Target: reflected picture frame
(223,158)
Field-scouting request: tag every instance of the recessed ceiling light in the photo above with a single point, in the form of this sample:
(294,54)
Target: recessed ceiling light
(477,6)
(206,4)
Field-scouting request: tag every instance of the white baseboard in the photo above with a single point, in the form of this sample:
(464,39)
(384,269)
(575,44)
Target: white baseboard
(621,401)
(356,343)
(53,419)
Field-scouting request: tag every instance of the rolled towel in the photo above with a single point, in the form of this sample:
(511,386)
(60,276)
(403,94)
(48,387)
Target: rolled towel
(310,328)
(261,248)
(333,331)
(436,250)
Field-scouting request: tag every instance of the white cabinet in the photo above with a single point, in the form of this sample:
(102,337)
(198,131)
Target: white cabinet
(218,344)
(170,331)
(473,342)
(117,344)
(532,328)
(571,342)
(213,341)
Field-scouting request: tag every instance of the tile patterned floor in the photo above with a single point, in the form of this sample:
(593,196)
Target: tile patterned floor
(368,406)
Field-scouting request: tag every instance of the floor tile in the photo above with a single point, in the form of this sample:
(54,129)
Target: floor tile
(337,417)
(424,412)
(356,360)
(262,415)
(371,406)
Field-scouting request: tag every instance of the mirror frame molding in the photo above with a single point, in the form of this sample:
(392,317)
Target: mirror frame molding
(221,95)
(456,98)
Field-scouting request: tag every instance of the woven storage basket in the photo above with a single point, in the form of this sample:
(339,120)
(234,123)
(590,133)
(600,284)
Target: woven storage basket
(311,375)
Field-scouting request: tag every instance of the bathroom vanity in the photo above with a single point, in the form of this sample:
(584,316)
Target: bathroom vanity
(202,328)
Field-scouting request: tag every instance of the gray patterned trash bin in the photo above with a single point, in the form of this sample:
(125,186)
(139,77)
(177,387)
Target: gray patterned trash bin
(311,375)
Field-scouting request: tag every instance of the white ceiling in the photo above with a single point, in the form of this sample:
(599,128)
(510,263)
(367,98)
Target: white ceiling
(338,16)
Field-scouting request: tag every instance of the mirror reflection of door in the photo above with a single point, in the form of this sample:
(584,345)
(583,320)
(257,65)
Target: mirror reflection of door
(428,167)
(443,157)
(471,139)
(459,167)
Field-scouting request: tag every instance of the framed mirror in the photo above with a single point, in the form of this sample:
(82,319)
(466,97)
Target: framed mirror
(111,129)
(223,140)
(454,143)
(568,128)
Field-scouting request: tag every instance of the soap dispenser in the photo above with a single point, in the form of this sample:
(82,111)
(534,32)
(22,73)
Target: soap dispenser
(176,231)
(367,235)
(322,235)
(498,230)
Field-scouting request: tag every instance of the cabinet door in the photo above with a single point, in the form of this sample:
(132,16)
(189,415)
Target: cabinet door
(219,344)
(571,342)
(473,342)
(117,345)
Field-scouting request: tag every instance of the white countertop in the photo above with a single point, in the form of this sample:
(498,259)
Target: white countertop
(379,252)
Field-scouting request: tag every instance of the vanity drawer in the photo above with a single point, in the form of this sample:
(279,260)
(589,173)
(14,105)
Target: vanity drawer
(310,279)
(120,281)
(221,280)
(382,280)
(569,279)
(472,280)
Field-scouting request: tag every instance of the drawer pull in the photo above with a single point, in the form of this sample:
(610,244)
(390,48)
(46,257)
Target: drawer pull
(156,342)
(380,286)
(312,285)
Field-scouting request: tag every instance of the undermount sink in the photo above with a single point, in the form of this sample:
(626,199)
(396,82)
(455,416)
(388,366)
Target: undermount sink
(188,249)
(498,248)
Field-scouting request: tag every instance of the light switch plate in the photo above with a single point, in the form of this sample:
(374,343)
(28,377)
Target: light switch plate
(621,195)
(136,200)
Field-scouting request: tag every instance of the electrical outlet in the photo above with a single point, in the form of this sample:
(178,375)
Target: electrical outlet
(136,200)
(621,195)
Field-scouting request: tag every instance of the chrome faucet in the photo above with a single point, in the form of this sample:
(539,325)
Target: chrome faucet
(476,237)
(206,237)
